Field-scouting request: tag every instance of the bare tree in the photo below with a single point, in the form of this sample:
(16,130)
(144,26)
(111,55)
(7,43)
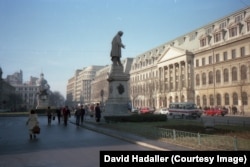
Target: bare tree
(56,99)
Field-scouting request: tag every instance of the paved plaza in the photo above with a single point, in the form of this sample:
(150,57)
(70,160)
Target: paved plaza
(57,145)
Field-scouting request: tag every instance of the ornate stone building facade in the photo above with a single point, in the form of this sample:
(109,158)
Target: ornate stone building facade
(222,63)
(209,66)
(79,86)
(26,90)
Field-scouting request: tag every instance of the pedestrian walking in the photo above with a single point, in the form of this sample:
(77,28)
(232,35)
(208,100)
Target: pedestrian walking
(32,123)
(66,114)
(92,110)
(230,110)
(49,115)
(82,114)
(78,115)
(58,113)
(234,109)
(97,113)
(86,109)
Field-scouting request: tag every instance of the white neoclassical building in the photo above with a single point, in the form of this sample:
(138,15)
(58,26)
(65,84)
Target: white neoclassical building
(209,66)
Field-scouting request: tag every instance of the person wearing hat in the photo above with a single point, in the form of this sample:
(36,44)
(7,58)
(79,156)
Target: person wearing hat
(116,49)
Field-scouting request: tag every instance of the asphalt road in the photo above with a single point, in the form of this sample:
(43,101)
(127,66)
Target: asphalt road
(56,146)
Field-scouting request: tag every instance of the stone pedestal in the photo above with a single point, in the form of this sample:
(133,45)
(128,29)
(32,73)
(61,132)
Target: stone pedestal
(117,103)
(42,102)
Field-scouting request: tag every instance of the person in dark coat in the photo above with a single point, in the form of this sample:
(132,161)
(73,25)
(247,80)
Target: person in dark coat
(49,115)
(82,113)
(97,113)
(66,115)
(59,114)
(78,115)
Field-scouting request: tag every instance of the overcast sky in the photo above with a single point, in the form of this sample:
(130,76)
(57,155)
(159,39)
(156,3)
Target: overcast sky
(57,37)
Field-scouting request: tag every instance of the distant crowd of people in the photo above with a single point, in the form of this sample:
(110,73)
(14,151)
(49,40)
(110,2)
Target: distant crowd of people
(65,113)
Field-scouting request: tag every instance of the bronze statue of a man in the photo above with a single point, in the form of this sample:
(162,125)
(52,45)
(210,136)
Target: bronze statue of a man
(116,53)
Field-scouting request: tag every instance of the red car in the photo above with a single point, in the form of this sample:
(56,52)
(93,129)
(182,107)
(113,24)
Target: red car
(144,110)
(216,111)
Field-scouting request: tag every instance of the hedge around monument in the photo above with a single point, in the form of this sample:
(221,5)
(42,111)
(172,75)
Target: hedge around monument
(136,118)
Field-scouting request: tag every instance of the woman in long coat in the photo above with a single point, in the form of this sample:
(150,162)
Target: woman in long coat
(97,113)
(32,122)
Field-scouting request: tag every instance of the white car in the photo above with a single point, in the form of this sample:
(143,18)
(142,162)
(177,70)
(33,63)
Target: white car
(164,111)
(134,110)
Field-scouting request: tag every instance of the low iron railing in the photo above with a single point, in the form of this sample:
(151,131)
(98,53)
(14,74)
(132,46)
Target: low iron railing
(203,141)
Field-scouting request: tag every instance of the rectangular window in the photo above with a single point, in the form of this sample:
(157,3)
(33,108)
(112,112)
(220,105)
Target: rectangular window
(242,51)
(233,32)
(210,59)
(224,56)
(233,54)
(223,25)
(197,62)
(217,57)
(238,18)
(248,26)
(209,30)
(203,61)
(217,37)
(203,42)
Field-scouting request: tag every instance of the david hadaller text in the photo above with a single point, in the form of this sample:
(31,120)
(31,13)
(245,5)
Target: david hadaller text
(135,158)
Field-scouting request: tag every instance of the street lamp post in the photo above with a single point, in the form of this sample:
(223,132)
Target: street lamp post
(102,94)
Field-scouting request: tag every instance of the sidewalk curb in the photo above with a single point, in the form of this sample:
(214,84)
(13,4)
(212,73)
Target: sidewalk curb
(121,137)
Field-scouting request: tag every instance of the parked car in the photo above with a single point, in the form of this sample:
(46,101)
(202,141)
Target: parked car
(144,110)
(200,113)
(151,109)
(134,110)
(164,111)
(216,111)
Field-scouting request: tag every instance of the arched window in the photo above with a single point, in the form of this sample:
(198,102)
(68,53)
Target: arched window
(211,99)
(218,76)
(182,98)
(176,99)
(226,99)
(197,80)
(170,99)
(198,100)
(244,98)
(218,99)
(203,78)
(234,74)
(226,75)
(235,99)
(243,72)
(204,99)
(210,77)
